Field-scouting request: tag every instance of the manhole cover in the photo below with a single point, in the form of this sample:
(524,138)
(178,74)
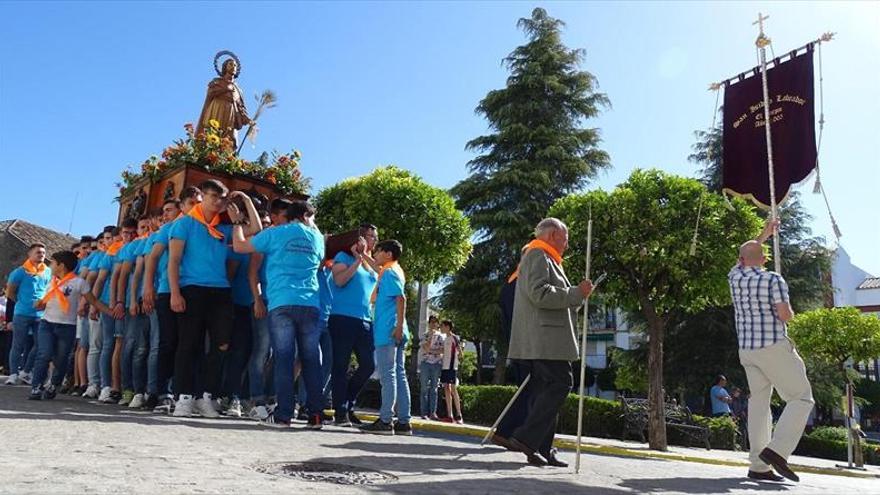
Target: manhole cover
(328,473)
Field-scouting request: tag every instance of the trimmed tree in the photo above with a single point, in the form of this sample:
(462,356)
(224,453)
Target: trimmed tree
(539,151)
(642,234)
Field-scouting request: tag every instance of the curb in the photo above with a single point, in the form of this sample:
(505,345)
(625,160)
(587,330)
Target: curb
(563,443)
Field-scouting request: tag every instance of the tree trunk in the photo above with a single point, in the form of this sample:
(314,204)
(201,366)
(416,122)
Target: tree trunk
(656,399)
(479,346)
(500,375)
(416,336)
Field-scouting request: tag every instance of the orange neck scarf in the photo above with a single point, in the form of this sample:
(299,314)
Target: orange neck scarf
(33,270)
(391,265)
(199,215)
(542,245)
(55,291)
(114,248)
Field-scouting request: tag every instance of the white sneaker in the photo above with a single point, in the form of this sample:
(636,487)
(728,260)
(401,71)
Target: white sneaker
(234,409)
(137,401)
(184,407)
(258,413)
(12,380)
(105,395)
(91,392)
(25,378)
(205,407)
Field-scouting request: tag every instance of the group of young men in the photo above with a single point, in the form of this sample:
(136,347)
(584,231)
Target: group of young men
(182,314)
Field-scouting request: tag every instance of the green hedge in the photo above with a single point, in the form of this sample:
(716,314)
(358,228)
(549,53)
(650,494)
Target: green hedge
(820,443)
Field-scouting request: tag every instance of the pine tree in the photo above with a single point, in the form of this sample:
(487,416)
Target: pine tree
(539,151)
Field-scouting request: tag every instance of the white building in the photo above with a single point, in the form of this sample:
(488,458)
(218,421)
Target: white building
(860,289)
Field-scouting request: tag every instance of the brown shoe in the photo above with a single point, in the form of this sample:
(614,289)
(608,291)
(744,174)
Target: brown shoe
(502,442)
(778,463)
(765,476)
(531,457)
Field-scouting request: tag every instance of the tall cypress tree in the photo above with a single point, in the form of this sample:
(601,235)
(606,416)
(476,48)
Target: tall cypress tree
(539,151)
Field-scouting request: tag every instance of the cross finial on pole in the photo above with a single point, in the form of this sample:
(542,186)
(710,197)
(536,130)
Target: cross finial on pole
(762,40)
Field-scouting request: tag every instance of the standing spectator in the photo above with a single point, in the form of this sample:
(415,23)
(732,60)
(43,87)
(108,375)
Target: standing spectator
(26,285)
(430,365)
(5,333)
(449,374)
(719,397)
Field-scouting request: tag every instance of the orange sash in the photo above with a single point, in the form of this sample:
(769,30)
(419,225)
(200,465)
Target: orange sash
(393,265)
(33,270)
(542,245)
(199,215)
(55,291)
(114,248)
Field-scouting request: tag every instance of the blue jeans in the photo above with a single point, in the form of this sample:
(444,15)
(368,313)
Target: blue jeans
(429,378)
(292,328)
(108,342)
(93,361)
(153,355)
(135,349)
(56,344)
(24,331)
(259,357)
(395,388)
(326,367)
(350,335)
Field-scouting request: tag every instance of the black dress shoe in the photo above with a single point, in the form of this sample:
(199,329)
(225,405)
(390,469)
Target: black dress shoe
(502,442)
(778,463)
(765,476)
(554,461)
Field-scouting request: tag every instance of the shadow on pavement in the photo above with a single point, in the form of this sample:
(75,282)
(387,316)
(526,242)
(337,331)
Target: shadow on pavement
(492,485)
(703,485)
(429,466)
(413,448)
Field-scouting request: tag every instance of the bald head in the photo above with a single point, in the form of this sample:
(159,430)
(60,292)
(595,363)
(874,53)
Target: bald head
(751,253)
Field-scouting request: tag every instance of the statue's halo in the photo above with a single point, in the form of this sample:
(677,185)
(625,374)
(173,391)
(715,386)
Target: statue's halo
(218,66)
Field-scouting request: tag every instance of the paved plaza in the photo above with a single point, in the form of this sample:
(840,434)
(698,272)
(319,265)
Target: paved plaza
(73,446)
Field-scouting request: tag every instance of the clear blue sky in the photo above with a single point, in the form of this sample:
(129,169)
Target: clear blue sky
(89,88)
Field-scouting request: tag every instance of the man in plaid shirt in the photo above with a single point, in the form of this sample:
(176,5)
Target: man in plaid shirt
(761,305)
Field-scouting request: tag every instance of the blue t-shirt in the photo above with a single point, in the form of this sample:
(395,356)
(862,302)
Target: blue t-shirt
(353,298)
(204,257)
(106,263)
(293,253)
(241,289)
(128,253)
(718,405)
(143,252)
(385,318)
(325,295)
(84,264)
(161,237)
(30,289)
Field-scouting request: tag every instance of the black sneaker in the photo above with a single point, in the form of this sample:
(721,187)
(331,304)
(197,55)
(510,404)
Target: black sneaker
(303,415)
(151,402)
(115,396)
(378,427)
(165,406)
(354,420)
(50,392)
(36,394)
(403,428)
(342,421)
(315,422)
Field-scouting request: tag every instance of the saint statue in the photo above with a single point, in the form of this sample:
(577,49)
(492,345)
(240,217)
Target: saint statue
(224,102)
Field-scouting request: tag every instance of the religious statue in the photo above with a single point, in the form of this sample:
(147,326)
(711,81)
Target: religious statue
(224,102)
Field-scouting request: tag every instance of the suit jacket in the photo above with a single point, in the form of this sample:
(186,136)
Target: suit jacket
(544,311)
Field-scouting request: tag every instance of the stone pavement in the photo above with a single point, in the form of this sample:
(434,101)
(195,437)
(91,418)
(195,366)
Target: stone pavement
(74,446)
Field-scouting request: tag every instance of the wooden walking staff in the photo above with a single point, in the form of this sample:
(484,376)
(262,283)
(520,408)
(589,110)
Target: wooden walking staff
(577,459)
(762,43)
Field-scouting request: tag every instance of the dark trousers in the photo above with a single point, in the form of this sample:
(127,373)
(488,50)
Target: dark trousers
(209,311)
(547,390)
(167,342)
(238,354)
(350,335)
(516,415)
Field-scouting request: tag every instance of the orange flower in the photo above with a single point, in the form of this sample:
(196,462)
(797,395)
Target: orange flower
(212,157)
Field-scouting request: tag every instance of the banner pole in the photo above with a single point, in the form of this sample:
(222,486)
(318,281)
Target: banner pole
(762,43)
(586,326)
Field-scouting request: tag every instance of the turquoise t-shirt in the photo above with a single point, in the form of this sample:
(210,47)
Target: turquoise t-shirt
(84,264)
(204,257)
(241,289)
(161,237)
(30,289)
(325,295)
(385,318)
(718,405)
(353,298)
(293,253)
(106,263)
(146,245)
(129,253)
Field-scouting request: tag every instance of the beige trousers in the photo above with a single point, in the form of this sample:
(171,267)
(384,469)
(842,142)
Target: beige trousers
(776,366)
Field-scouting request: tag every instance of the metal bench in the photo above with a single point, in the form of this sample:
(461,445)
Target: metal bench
(677,417)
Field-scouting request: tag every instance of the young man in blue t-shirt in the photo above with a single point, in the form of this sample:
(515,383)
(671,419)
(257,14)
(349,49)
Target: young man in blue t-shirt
(201,297)
(137,324)
(293,254)
(158,297)
(351,322)
(93,359)
(390,335)
(26,285)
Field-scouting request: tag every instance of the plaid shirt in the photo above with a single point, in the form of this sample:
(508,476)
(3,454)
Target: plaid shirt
(755,293)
